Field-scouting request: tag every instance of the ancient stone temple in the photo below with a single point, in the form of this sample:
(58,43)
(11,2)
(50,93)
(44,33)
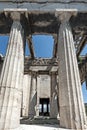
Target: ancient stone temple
(32,87)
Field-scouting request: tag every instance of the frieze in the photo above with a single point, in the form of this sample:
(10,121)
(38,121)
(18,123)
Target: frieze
(41,62)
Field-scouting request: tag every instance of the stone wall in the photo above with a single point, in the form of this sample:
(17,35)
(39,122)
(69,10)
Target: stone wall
(44,86)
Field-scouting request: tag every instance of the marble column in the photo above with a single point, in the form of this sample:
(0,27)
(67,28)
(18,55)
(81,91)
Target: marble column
(33,96)
(11,79)
(72,112)
(54,97)
(38,95)
(26,95)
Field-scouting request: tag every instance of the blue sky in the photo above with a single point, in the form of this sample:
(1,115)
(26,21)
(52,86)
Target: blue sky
(84,51)
(41,46)
(44,44)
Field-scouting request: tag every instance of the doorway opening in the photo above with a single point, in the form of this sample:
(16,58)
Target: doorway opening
(44,107)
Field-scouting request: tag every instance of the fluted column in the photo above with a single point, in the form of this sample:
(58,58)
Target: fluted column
(11,79)
(38,96)
(26,95)
(72,112)
(54,97)
(33,96)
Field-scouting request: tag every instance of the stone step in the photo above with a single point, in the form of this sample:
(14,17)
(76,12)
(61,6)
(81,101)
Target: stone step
(42,120)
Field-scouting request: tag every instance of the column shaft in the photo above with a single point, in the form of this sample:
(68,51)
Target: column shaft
(38,96)
(11,79)
(33,97)
(54,96)
(26,95)
(72,113)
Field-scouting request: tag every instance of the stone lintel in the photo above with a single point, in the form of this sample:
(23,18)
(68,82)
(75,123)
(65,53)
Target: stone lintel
(41,69)
(75,4)
(42,72)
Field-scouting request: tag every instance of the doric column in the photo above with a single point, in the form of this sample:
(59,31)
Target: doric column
(11,79)
(54,97)
(33,96)
(72,112)
(38,95)
(26,95)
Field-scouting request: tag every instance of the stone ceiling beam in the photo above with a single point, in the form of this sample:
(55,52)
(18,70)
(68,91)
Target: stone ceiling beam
(81,45)
(30,44)
(55,46)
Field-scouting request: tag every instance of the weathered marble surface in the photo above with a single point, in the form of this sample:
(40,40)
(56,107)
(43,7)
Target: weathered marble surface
(11,80)
(70,93)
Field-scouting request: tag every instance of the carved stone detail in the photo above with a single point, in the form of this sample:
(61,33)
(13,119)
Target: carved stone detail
(41,62)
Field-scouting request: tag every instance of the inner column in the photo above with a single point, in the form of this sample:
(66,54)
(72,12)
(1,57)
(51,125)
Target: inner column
(33,96)
(26,95)
(11,78)
(72,112)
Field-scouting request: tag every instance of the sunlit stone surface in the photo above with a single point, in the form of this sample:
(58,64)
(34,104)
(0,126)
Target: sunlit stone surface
(38,90)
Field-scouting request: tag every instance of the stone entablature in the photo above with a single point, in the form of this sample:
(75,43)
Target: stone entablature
(41,62)
(41,65)
(43,4)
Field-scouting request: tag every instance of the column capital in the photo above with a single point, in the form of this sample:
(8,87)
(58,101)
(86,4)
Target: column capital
(15,16)
(64,15)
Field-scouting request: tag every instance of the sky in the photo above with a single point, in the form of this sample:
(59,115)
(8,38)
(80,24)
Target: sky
(42,43)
